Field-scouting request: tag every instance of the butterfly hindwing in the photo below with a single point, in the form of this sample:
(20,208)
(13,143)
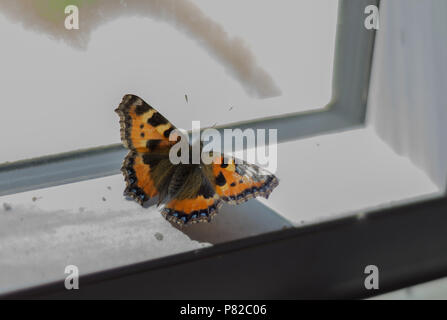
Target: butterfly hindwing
(237,182)
(143,128)
(138,176)
(194,210)
(193,195)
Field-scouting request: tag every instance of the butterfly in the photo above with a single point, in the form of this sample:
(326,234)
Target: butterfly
(191,193)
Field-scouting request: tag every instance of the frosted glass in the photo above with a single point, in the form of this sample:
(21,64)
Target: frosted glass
(244,60)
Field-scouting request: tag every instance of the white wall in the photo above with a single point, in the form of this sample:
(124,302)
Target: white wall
(408,93)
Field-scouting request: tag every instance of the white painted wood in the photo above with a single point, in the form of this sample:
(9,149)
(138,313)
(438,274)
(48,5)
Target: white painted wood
(408,97)
(340,174)
(91,225)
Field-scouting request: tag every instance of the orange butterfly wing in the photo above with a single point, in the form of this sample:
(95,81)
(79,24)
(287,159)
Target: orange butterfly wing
(137,174)
(196,200)
(237,182)
(194,210)
(232,182)
(143,128)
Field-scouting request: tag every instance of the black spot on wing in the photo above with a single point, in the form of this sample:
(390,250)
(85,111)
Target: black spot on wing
(152,144)
(220,180)
(142,108)
(157,119)
(168,132)
(150,160)
(224,165)
(206,190)
(233,184)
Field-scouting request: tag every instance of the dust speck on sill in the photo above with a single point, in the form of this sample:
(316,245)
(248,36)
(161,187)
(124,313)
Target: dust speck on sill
(158,236)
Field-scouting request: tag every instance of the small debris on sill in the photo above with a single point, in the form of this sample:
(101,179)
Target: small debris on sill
(109,187)
(7,206)
(35,198)
(104,199)
(158,236)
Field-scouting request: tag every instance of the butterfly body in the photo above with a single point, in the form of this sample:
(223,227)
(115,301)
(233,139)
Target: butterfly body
(192,192)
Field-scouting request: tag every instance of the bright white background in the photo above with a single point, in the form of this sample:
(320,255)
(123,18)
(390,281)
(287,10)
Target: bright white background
(57,98)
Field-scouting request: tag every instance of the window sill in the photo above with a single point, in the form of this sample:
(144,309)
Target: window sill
(48,229)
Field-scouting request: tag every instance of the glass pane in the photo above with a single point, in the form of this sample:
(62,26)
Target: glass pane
(232,60)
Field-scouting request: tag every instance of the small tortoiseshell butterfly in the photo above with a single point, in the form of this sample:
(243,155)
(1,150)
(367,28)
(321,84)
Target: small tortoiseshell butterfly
(192,192)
